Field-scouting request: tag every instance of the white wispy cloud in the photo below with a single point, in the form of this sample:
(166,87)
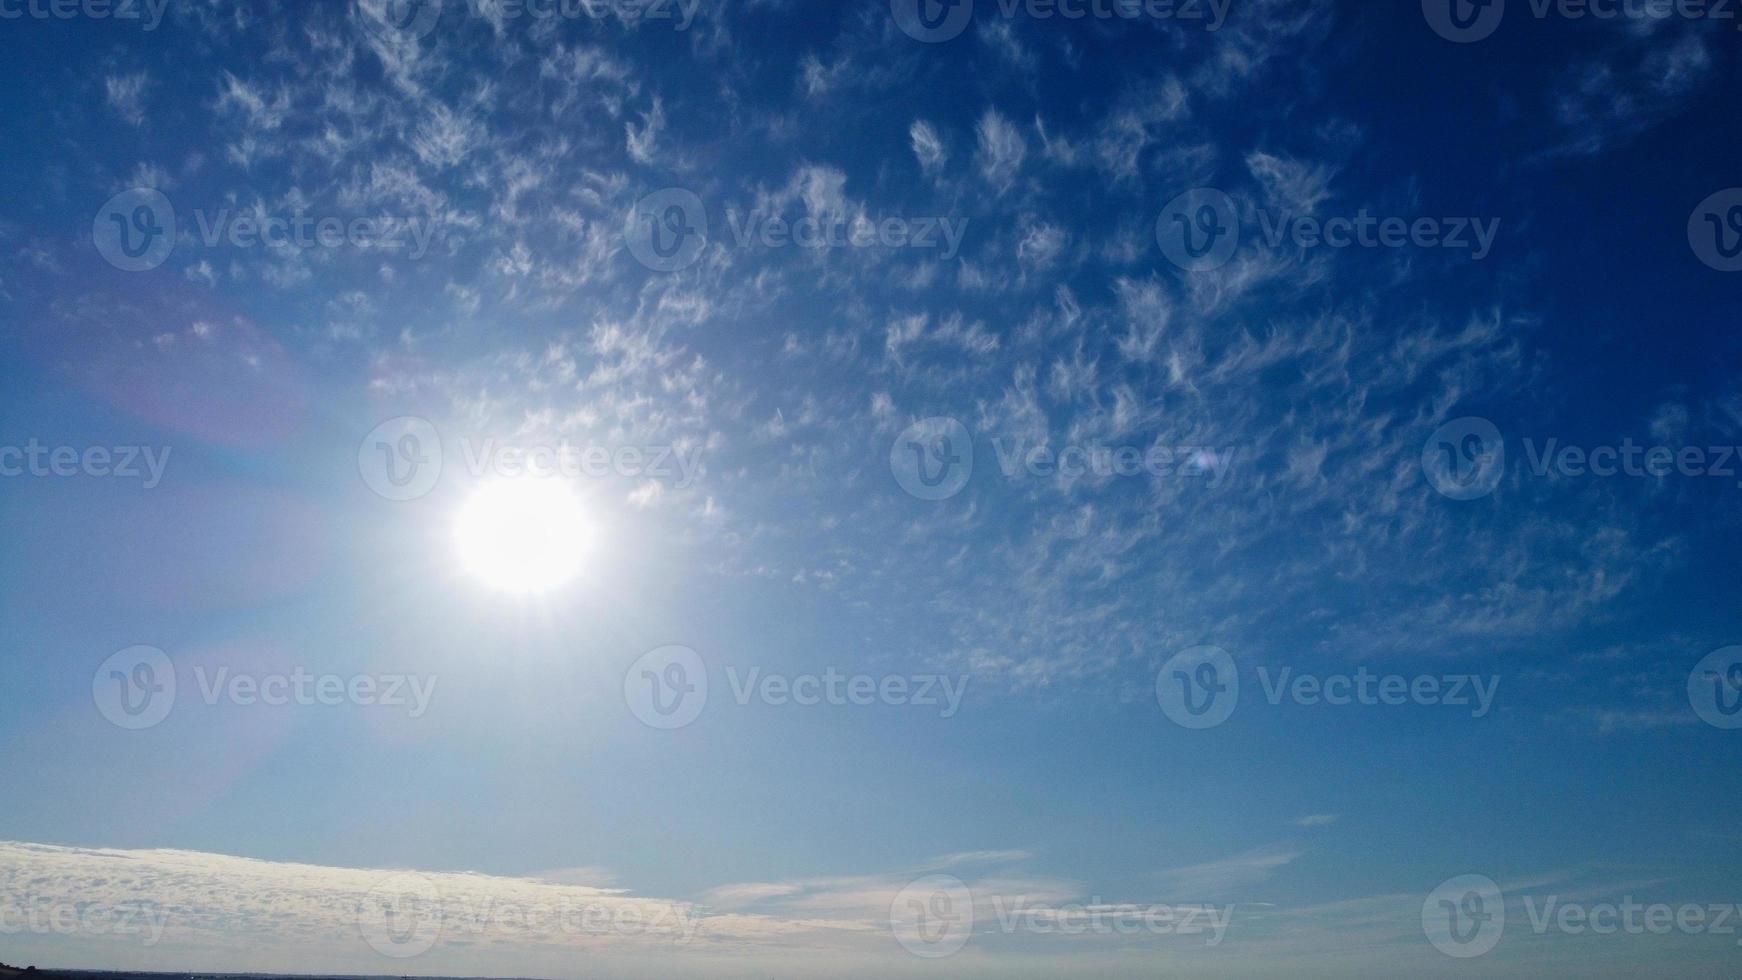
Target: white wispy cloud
(126,95)
(1001,150)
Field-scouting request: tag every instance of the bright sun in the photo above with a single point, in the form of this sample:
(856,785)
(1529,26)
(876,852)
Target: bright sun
(525,536)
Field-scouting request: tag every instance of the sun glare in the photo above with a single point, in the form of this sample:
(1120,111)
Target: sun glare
(524,536)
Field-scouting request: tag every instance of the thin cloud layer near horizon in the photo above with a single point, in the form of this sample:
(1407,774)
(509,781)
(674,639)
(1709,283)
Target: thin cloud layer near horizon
(902,487)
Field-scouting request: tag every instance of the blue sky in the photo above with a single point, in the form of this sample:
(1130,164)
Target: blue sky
(829,304)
